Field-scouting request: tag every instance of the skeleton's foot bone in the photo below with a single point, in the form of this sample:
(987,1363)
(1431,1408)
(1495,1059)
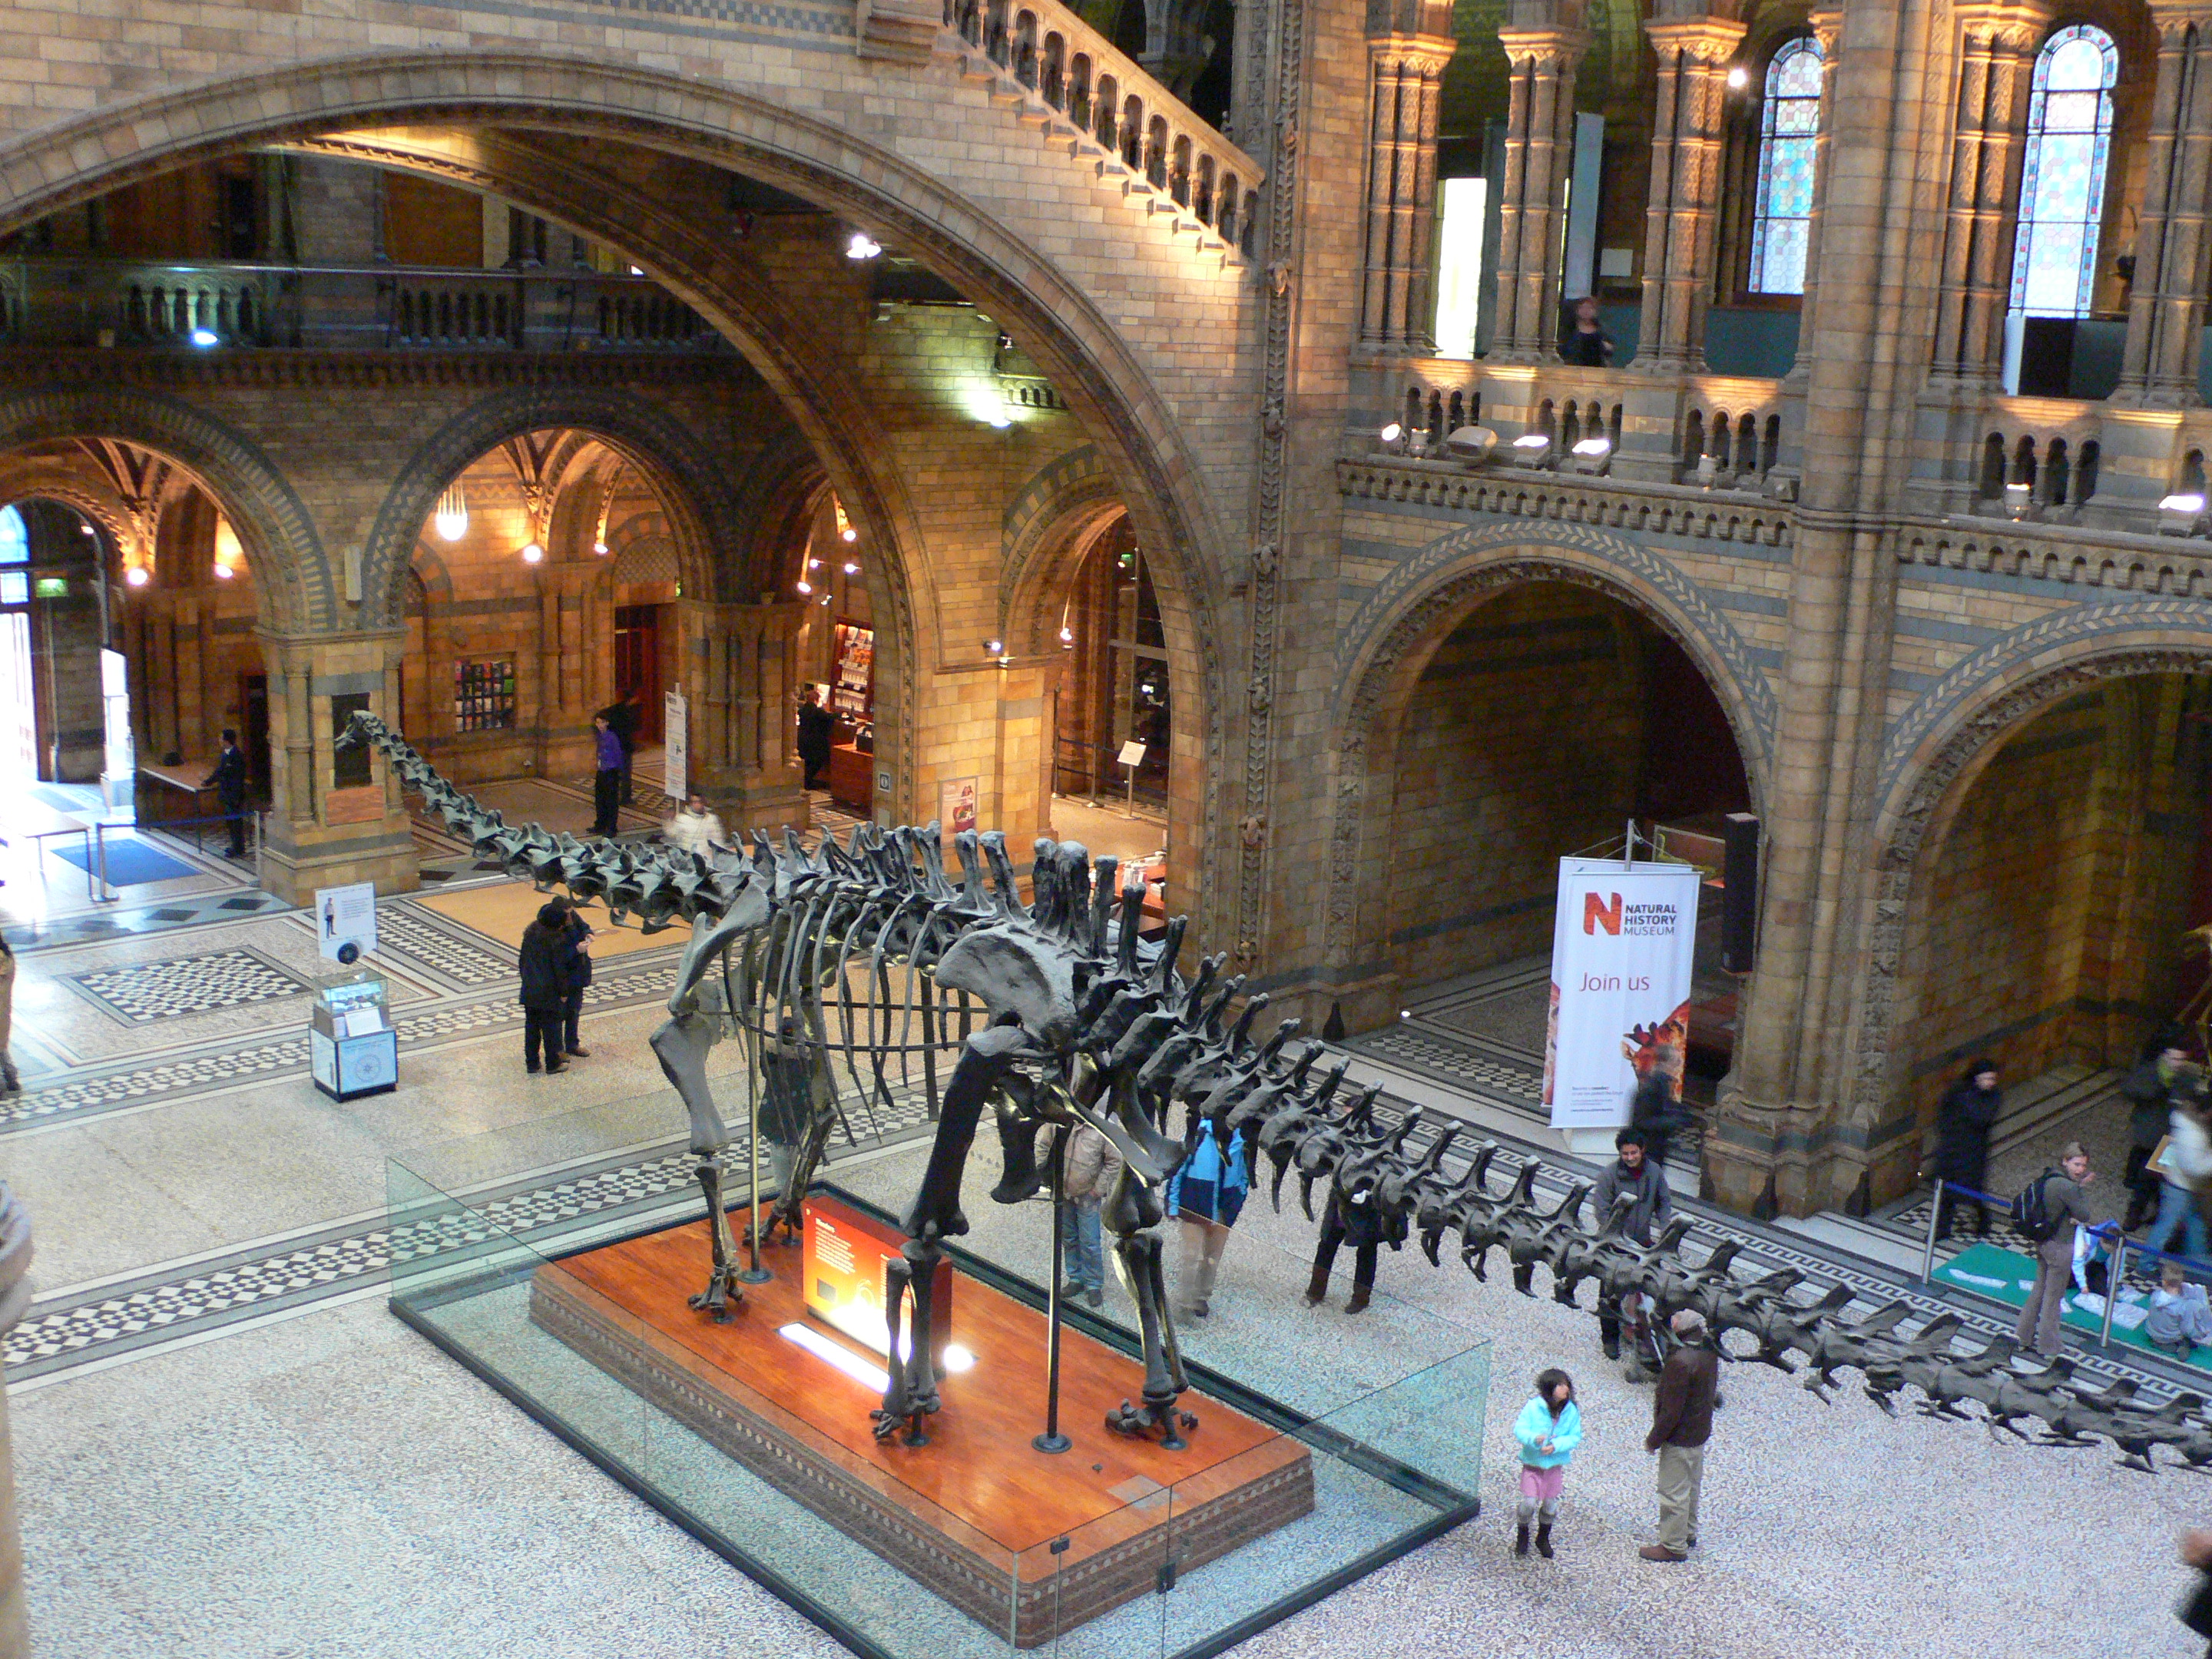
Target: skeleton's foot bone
(1141,1422)
(722,1288)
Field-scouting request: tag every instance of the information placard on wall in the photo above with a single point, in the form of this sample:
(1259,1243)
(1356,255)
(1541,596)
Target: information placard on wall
(345,921)
(955,804)
(1623,944)
(675,744)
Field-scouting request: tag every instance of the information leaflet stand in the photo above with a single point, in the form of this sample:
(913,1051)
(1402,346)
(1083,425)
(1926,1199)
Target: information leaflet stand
(352,1049)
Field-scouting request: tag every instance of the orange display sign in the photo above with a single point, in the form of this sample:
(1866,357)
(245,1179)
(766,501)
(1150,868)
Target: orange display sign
(842,1256)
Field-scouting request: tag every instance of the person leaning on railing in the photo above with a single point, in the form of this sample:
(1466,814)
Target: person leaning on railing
(2183,1172)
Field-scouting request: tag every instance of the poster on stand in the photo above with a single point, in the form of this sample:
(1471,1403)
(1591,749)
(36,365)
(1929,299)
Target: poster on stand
(955,804)
(1623,943)
(345,921)
(675,745)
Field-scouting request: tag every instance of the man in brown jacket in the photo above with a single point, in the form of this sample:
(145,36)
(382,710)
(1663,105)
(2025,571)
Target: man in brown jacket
(1682,1422)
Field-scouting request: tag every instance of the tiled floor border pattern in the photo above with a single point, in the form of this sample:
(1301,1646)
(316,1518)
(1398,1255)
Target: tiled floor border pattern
(166,1306)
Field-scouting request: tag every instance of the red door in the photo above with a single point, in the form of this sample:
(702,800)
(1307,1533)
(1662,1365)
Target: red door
(637,665)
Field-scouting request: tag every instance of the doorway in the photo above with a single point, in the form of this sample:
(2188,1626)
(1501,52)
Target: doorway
(637,665)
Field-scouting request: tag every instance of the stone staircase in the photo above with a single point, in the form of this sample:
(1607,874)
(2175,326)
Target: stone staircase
(1096,106)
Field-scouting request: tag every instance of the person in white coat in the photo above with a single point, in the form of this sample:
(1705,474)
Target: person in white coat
(695,828)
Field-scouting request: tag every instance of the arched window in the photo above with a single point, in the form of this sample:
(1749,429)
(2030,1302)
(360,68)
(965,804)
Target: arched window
(1789,127)
(2062,191)
(15,538)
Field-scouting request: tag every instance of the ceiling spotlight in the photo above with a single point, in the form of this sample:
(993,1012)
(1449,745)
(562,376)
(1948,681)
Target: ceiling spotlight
(814,564)
(222,573)
(1739,77)
(451,517)
(1392,437)
(88,529)
(137,575)
(531,553)
(204,337)
(851,569)
(862,247)
(1067,636)
(598,550)
(992,647)
(848,534)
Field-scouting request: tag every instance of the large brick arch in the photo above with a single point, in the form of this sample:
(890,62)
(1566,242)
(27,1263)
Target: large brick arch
(701,508)
(284,556)
(1937,748)
(1051,523)
(1381,653)
(1108,380)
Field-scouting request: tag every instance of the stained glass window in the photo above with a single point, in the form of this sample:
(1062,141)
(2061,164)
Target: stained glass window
(15,538)
(2062,191)
(1789,128)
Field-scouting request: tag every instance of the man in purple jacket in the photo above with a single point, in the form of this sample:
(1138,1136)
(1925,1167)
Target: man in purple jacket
(606,784)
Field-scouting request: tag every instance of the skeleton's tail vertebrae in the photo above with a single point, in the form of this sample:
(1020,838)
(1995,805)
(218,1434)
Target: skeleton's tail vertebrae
(1085,1024)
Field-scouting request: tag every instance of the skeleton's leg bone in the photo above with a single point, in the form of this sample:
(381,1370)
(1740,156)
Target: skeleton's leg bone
(722,1286)
(789,1211)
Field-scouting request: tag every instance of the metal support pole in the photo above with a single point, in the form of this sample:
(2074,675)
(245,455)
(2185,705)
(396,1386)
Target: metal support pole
(1052,1440)
(95,860)
(754,1274)
(1928,1250)
(1130,811)
(2112,1285)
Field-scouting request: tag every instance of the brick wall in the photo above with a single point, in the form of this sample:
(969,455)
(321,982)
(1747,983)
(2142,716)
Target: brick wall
(1520,744)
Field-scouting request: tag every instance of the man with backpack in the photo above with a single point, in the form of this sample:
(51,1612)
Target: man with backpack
(2048,1212)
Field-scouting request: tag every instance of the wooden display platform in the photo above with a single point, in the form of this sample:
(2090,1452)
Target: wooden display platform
(973,1515)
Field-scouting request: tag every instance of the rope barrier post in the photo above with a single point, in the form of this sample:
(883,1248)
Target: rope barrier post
(1928,1247)
(2112,1285)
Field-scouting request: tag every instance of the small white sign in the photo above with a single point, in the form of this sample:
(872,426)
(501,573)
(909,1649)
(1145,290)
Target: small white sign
(1133,754)
(676,745)
(345,921)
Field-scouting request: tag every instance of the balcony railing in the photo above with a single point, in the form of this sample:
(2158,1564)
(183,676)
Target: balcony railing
(117,303)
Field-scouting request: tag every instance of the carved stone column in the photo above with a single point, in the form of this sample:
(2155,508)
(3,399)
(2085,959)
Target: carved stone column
(318,835)
(1681,215)
(738,677)
(1406,77)
(2174,254)
(1539,128)
(1988,134)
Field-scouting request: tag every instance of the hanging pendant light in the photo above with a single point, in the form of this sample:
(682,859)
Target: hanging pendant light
(451,517)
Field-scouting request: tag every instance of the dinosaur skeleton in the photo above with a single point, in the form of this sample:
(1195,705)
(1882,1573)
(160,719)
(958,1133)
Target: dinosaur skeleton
(869,952)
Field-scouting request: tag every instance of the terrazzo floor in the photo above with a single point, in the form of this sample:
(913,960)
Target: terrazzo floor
(328,1483)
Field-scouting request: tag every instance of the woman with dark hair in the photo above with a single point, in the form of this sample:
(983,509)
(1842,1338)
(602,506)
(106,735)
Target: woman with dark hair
(1549,1429)
(1962,1144)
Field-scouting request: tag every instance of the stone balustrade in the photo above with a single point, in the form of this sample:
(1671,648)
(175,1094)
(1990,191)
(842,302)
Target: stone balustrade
(115,303)
(1085,91)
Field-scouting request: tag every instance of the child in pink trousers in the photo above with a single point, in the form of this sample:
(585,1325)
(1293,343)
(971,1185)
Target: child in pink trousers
(1549,1429)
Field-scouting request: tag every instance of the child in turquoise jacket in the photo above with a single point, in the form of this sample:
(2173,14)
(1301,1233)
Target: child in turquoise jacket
(1549,1429)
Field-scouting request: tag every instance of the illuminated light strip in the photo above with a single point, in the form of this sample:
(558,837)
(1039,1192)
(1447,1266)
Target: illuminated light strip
(864,1372)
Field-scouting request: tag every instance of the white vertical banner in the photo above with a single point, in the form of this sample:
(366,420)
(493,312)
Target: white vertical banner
(675,744)
(1623,944)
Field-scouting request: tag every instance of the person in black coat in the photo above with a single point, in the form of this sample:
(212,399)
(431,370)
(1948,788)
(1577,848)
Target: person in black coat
(1655,1112)
(1962,1143)
(228,783)
(815,726)
(544,989)
(576,973)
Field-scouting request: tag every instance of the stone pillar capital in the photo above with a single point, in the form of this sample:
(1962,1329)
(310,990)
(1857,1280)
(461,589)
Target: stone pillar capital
(1544,48)
(2174,18)
(1421,54)
(1704,40)
(1826,23)
(2018,24)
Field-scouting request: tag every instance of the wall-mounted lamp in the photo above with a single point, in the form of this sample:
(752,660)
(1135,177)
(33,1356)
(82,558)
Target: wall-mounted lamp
(223,571)
(1739,77)
(137,575)
(848,534)
(598,550)
(451,518)
(806,586)
(993,647)
(1391,437)
(862,247)
(531,553)
(851,569)
(204,337)
(1533,449)
(2182,514)
(1592,454)
(1067,636)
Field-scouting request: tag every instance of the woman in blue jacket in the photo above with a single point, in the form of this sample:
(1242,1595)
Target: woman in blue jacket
(1205,1195)
(1549,1429)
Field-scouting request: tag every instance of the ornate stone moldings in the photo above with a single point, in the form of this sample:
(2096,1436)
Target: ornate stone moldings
(2142,564)
(281,368)
(1650,510)
(279,536)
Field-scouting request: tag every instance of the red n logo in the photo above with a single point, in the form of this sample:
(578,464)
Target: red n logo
(1597,914)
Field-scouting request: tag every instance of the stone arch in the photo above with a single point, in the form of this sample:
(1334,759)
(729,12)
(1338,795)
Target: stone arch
(1941,745)
(1060,323)
(1381,653)
(431,571)
(285,561)
(701,512)
(782,489)
(1051,523)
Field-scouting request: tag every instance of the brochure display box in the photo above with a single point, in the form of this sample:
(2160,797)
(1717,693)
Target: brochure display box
(352,1048)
